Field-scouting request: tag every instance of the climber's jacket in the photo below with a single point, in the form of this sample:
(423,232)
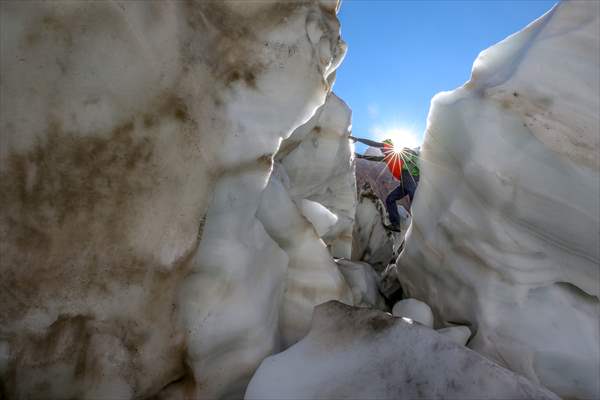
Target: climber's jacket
(411,162)
(406,159)
(392,159)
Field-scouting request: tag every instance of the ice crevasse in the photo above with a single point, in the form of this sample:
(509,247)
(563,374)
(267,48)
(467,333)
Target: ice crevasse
(505,224)
(176,176)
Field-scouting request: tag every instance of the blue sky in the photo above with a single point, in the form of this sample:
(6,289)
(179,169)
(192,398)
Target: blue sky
(401,53)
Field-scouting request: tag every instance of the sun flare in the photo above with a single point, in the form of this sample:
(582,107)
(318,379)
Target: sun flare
(402,137)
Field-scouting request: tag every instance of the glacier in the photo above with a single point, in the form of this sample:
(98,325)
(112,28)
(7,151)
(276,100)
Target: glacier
(182,215)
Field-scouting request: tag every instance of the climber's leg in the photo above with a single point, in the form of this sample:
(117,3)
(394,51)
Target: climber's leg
(390,204)
(410,184)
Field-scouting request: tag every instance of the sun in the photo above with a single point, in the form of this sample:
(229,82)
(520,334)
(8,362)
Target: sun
(401,137)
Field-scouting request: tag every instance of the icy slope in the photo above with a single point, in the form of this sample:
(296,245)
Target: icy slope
(136,139)
(356,353)
(505,233)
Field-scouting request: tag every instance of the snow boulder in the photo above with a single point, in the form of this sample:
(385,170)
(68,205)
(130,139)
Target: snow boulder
(318,215)
(357,353)
(415,310)
(505,235)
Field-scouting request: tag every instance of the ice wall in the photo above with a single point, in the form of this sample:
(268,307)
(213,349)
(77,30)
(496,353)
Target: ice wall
(505,235)
(317,161)
(137,139)
(311,194)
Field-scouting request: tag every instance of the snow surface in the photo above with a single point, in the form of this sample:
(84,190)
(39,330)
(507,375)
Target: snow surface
(357,353)
(505,232)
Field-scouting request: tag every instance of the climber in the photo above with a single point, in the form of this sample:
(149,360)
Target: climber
(403,164)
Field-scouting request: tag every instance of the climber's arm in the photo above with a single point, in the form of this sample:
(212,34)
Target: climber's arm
(370,158)
(368,142)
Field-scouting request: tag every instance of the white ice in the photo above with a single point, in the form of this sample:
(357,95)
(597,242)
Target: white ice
(505,233)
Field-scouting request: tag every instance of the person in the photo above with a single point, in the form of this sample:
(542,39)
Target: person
(404,166)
